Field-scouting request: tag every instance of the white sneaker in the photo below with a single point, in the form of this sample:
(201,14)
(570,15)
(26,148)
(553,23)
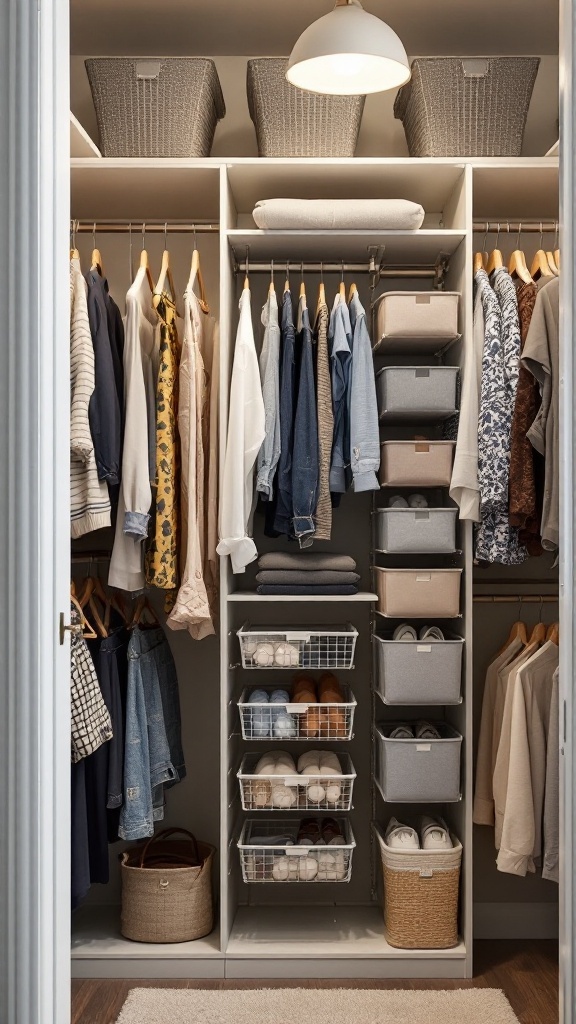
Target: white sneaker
(417,501)
(397,501)
(431,633)
(401,837)
(435,834)
(404,632)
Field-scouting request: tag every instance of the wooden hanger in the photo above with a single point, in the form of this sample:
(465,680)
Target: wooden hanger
(495,261)
(518,632)
(342,288)
(96,258)
(479,263)
(552,262)
(302,284)
(540,266)
(557,258)
(287,281)
(321,289)
(143,605)
(517,267)
(553,633)
(538,635)
(87,631)
(165,275)
(352,292)
(196,274)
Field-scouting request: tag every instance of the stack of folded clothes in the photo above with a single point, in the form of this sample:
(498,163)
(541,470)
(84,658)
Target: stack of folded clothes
(284,572)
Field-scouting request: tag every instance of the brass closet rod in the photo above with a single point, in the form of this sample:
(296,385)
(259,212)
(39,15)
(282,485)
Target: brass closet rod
(171,227)
(428,272)
(516,598)
(505,227)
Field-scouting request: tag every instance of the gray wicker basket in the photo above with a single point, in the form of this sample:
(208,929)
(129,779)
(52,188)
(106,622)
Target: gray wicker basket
(472,106)
(290,122)
(156,106)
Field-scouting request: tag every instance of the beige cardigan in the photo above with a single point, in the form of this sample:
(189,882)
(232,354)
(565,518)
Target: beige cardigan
(520,772)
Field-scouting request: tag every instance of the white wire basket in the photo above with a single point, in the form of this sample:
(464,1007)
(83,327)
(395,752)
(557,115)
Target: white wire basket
(261,720)
(265,860)
(304,791)
(298,647)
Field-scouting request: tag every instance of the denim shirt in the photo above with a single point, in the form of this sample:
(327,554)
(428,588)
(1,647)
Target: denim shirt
(283,517)
(269,453)
(340,338)
(364,429)
(305,447)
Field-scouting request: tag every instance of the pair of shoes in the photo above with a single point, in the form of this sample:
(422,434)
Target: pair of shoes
(413,501)
(419,731)
(312,832)
(408,633)
(434,835)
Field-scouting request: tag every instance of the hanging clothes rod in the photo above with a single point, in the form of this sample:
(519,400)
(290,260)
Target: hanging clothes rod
(281,266)
(505,227)
(87,558)
(172,227)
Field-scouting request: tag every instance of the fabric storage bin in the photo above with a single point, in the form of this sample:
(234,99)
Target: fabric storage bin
(261,720)
(290,122)
(167,889)
(156,106)
(418,593)
(416,530)
(405,315)
(471,106)
(300,791)
(419,771)
(416,463)
(422,393)
(421,891)
(263,647)
(424,672)
(264,860)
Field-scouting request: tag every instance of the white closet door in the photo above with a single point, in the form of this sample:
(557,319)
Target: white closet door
(34,513)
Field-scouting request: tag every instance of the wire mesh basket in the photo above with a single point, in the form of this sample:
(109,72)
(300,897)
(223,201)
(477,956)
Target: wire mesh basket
(268,853)
(298,647)
(262,720)
(301,791)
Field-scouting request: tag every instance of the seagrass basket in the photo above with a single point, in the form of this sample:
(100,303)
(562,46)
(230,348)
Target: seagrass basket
(156,106)
(290,122)
(421,889)
(466,106)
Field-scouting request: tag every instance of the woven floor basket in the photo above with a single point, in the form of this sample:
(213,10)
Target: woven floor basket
(421,890)
(164,899)
(290,122)
(474,106)
(156,106)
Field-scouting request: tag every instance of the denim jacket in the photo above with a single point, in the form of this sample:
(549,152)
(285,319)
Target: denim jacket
(340,338)
(305,447)
(364,430)
(283,517)
(269,453)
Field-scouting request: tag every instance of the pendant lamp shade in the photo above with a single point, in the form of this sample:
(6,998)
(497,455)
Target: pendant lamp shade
(348,53)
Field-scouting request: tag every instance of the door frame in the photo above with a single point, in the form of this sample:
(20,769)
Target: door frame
(34,534)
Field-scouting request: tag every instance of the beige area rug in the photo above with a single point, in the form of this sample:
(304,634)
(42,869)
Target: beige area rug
(313,1006)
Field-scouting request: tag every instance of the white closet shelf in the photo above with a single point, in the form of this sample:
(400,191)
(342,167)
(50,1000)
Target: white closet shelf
(96,935)
(313,932)
(415,247)
(81,145)
(245,596)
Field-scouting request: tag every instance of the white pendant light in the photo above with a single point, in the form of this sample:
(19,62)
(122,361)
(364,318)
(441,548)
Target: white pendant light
(348,53)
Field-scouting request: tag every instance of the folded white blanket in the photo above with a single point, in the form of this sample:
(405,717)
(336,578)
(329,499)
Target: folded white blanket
(338,214)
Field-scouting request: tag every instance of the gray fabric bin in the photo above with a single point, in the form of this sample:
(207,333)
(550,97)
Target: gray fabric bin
(290,122)
(421,672)
(422,393)
(155,106)
(416,530)
(419,771)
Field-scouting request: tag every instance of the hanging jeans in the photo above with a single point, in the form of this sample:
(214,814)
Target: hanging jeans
(153,752)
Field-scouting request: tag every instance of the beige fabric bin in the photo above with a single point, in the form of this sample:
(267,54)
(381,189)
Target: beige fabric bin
(418,315)
(418,593)
(416,463)
(421,889)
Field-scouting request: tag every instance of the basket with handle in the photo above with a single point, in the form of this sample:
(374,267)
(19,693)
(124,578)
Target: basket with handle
(167,889)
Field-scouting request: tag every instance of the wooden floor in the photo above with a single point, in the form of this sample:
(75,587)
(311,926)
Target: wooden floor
(527,972)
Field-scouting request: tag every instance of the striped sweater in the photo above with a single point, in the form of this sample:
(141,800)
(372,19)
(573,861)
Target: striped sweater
(89,499)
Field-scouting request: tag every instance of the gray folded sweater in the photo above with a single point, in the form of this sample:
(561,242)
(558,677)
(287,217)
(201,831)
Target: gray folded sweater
(312,562)
(320,577)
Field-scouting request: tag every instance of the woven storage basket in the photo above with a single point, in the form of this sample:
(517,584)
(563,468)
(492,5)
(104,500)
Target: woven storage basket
(292,122)
(156,106)
(167,889)
(421,890)
(473,106)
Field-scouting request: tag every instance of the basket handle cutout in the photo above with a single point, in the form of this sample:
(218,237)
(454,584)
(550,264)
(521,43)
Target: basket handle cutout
(147,69)
(475,67)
